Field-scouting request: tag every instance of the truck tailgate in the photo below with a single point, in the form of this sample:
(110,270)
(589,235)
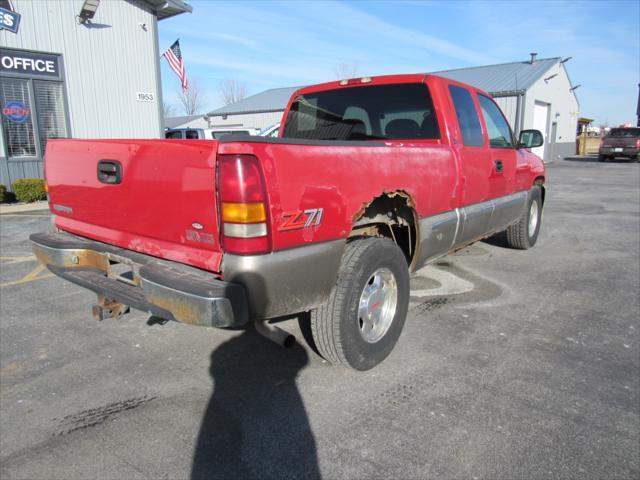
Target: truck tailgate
(161,202)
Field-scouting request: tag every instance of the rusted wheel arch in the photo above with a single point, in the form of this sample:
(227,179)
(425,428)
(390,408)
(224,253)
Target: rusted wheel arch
(391,215)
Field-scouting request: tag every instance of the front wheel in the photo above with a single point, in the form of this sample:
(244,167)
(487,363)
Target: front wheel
(360,323)
(523,234)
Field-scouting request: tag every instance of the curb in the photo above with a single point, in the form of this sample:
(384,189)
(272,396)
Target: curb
(24,207)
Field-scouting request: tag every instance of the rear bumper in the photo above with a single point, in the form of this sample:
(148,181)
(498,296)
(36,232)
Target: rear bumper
(166,289)
(630,152)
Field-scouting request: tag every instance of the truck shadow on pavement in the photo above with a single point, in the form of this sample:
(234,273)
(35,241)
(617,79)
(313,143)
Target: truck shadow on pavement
(255,424)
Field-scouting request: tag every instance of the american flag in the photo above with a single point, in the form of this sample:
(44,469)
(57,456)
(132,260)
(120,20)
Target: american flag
(174,57)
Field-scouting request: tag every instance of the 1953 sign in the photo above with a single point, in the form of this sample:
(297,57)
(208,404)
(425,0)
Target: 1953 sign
(145,97)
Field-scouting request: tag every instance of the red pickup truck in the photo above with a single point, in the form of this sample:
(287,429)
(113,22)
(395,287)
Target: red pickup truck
(370,179)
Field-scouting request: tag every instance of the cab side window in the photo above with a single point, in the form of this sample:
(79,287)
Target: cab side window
(467,116)
(497,127)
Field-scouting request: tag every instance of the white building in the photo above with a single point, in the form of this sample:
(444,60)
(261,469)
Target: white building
(79,69)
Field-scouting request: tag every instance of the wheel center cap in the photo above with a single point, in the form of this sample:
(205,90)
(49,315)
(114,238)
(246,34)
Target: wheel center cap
(375,301)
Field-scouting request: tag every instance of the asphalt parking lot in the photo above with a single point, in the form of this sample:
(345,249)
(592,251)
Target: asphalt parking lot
(511,365)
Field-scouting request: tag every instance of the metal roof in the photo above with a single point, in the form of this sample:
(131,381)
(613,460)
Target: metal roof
(501,79)
(168,8)
(173,122)
(504,78)
(273,100)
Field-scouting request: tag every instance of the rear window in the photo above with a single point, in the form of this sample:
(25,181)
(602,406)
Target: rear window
(220,134)
(624,132)
(384,112)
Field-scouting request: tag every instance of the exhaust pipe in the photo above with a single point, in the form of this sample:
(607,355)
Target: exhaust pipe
(275,334)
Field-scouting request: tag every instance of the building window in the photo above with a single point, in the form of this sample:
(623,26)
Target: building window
(17,118)
(50,111)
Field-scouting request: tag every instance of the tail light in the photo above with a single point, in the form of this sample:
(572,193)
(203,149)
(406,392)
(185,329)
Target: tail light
(243,205)
(601,142)
(638,143)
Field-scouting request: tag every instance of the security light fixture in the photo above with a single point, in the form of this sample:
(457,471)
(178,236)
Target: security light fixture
(565,60)
(550,77)
(88,11)
(573,88)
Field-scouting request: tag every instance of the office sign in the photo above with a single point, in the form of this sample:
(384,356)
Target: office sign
(29,63)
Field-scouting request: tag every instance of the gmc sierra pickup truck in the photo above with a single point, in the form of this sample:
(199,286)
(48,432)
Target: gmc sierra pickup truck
(370,179)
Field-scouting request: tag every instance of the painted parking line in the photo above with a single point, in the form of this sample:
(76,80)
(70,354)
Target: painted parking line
(38,273)
(26,258)
(450,284)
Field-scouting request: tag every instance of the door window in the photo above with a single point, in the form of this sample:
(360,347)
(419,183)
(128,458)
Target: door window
(497,127)
(17,119)
(467,116)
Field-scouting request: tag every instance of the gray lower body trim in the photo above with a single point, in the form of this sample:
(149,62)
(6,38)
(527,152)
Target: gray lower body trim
(456,228)
(507,210)
(286,281)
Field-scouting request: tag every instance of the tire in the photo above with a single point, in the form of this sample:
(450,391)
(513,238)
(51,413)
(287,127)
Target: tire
(341,326)
(523,234)
(602,158)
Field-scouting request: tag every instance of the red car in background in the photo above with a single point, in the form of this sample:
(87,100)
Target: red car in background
(620,142)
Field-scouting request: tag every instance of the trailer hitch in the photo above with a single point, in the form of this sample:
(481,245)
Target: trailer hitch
(108,308)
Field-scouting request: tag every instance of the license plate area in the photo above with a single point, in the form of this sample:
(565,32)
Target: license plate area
(618,149)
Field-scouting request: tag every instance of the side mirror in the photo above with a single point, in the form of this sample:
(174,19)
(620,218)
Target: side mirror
(530,139)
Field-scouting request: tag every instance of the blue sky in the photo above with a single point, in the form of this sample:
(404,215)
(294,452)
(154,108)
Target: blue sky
(269,44)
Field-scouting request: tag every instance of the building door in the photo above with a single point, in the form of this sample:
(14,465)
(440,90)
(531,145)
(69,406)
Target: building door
(540,122)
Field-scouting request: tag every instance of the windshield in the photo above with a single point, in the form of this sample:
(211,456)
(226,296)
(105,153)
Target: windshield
(624,132)
(175,134)
(394,112)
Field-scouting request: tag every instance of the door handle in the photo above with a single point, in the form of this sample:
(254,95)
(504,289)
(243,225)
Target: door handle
(110,172)
(499,166)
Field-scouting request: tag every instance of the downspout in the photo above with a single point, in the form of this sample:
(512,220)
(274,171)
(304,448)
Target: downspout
(158,59)
(518,126)
(523,103)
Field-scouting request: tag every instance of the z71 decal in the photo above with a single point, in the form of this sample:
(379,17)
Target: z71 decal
(301,219)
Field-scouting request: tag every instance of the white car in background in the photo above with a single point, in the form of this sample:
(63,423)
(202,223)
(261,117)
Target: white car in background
(270,131)
(207,133)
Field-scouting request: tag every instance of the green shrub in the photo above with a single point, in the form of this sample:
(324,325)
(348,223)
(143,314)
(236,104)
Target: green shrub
(3,193)
(29,189)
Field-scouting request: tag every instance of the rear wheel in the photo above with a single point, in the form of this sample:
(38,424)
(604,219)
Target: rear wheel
(360,323)
(602,158)
(523,234)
